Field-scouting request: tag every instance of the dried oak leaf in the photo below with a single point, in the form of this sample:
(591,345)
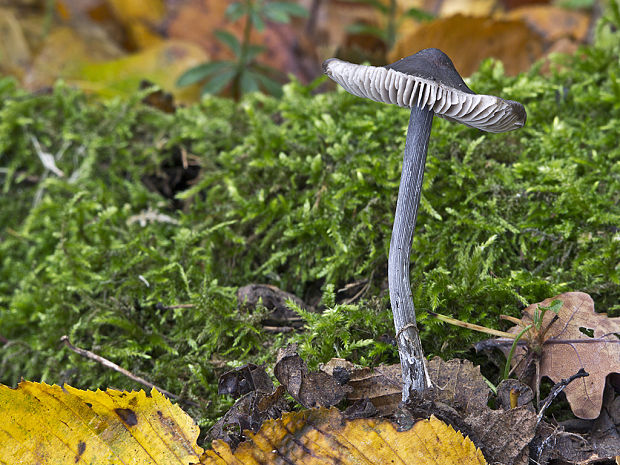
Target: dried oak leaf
(320,436)
(567,347)
(309,389)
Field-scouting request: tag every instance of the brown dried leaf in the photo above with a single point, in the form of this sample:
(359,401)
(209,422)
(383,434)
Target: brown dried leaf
(63,53)
(554,23)
(605,435)
(600,442)
(505,434)
(467,7)
(455,382)
(197,20)
(273,299)
(459,384)
(152,11)
(309,389)
(381,385)
(566,349)
(248,413)
(242,380)
(511,41)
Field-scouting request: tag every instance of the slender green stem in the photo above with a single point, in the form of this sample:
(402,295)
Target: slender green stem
(512,350)
(245,45)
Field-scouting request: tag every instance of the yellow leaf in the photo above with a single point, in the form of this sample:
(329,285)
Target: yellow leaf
(46,424)
(152,11)
(321,436)
(161,64)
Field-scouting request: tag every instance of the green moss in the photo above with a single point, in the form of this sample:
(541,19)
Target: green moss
(298,192)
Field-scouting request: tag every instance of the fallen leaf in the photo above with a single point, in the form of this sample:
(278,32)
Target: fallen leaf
(554,23)
(159,99)
(362,408)
(510,41)
(63,53)
(14,48)
(152,11)
(161,64)
(600,443)
(321,436)
(286,50)
(248,414)
(512,4)
(382,385)
(605,436)
(242,380)
(455,382)
(467,7)
(274,299)
(46,424)
(505,434)
(459,383)
(309,389)
(567,347)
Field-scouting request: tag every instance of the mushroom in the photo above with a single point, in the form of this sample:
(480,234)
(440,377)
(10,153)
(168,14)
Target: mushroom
(428,84)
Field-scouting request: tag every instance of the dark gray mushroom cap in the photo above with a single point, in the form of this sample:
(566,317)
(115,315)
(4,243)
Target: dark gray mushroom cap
(428,79)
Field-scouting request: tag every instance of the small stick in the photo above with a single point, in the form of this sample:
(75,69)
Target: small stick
(555,390)
(113,366)
(463,324)
(161,306)
(512,319)
(278,329)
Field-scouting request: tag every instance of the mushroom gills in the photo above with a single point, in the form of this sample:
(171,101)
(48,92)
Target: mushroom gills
(387,85)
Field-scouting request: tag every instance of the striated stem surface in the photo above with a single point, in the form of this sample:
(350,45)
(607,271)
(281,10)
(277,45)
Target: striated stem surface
(415,375)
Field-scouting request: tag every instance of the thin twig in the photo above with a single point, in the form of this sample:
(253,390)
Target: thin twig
(278,329)
(113,366)
(512,319)
(161,306)
(463,324)
(556,389)
(597,340)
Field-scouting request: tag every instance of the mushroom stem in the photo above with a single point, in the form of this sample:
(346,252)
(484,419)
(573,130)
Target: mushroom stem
(415,375)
